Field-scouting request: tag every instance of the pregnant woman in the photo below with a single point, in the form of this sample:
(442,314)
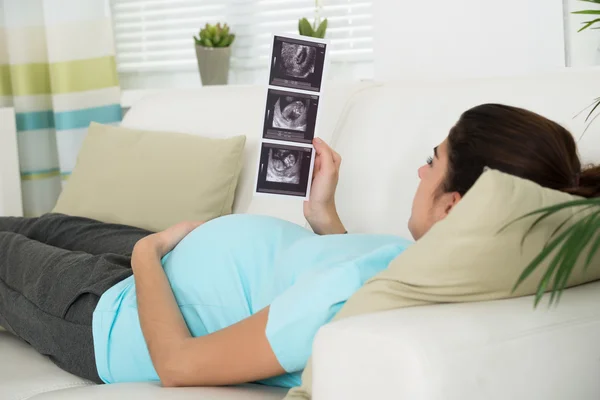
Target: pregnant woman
(240,298)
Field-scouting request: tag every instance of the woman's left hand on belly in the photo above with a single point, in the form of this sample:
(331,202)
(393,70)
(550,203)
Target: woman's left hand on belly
(166,240)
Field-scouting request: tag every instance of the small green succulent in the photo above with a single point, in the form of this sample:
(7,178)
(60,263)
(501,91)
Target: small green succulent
(215,36)
(306,29)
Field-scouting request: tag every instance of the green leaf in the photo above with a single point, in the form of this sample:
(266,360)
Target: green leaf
(212,30)
(532,213)
(204,34)
(595,107)
(549,211)
(541,290)
(229,40)
(588,24)
(304,28)
(569,253)
(574,248)
(541,256)
(593,250)
(591,1)
(574,241)
(559,227)
(224,42)
(546,278)
(587,12)
(320,32)
(207,42)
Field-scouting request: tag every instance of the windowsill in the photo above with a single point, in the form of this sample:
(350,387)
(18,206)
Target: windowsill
(138,85)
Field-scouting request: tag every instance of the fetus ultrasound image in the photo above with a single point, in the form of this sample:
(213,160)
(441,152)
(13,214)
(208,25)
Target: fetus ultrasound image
(290,116)
(284,169)
(297,63)
(284,166)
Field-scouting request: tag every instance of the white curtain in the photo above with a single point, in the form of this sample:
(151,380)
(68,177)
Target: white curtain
(57,69)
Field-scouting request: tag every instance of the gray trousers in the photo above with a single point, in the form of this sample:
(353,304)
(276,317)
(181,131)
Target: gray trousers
(53,270)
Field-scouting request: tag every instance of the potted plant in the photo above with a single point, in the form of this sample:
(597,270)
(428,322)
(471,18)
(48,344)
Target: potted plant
(315,30)
(213,51)
(318,28)
(568,245)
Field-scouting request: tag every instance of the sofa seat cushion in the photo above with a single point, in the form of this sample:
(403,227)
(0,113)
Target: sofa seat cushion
(148,391)
(25,374)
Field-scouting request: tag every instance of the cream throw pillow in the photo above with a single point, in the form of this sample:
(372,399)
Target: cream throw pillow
(152,180)
(464,259)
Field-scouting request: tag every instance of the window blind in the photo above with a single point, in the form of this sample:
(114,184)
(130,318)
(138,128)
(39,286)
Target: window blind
(156,35)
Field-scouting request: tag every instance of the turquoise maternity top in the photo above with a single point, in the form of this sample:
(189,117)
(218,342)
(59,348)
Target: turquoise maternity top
(232,267)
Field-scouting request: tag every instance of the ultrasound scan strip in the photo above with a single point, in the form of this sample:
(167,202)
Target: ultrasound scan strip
(297,63)
(290,116)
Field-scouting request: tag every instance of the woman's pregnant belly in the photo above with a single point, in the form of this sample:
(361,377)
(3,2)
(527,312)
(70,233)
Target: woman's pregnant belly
(221,273)
(224,269)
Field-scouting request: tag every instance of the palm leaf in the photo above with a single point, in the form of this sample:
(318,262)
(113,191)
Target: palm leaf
(591,1)
(573,248)
(593,106)
(593,250)
(572,242)
(541,289)
(597,101)
(587,24)
(542,256)
(559,227)
(549,211)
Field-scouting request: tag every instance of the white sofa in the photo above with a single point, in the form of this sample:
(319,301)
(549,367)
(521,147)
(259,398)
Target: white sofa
(384,131)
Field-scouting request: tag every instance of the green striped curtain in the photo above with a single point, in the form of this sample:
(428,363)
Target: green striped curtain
(57,69)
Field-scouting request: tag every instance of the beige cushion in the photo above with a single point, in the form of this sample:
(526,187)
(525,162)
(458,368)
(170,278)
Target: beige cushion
(150,179)
(464,258)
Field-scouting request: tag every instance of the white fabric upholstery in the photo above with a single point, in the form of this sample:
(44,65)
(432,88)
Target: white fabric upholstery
(390,130)
(143,391)
(493,350)
(25,374)
(490,350)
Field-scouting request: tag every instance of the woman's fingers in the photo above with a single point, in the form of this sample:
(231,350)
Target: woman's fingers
(337,159)
(326,156)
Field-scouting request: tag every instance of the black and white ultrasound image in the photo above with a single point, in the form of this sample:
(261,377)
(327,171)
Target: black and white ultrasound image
(290,116)
(284,169)
(290,113)
(297,60)
(283,166)
(297,63)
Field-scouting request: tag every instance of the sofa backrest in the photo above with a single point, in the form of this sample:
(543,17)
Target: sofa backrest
(384,132)
(390,130)
(222,111)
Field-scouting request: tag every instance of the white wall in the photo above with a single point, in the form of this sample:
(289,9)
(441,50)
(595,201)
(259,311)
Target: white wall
(584,47)
(467,37)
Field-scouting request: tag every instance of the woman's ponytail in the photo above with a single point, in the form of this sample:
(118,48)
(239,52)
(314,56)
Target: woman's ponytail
(588,184)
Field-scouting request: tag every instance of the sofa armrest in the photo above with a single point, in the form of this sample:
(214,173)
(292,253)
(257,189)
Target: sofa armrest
(472,351)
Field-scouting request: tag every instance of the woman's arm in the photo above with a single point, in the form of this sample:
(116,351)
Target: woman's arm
(237,354)
(320,210)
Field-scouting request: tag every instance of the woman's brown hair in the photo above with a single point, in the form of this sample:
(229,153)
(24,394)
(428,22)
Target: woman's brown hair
(520,143)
